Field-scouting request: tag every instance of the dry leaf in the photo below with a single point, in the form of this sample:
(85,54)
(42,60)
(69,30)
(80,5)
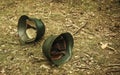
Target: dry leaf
(104,45)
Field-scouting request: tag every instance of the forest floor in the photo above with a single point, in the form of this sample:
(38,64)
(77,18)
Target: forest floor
(95,26)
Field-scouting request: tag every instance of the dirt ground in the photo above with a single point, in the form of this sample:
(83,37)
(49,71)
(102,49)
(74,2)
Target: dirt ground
(94,24)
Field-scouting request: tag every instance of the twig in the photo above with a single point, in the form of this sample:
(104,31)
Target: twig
(87,54)
(37,60)
(113,70)
(75,26)
(80,28)
(111,48)
(83,68)
(10,42)
(111,65)
(108,47)
(88,32)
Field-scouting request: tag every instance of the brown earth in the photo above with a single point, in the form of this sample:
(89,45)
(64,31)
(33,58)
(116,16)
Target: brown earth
(94,24)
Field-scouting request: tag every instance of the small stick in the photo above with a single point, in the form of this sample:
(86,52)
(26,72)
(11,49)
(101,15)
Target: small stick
(112,71)
(80,28)
(84,68)
(111,65)
(111,48)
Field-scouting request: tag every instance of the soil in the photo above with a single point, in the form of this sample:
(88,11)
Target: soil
(94,24)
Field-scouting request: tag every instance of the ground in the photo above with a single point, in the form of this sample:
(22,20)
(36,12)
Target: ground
(94,24)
